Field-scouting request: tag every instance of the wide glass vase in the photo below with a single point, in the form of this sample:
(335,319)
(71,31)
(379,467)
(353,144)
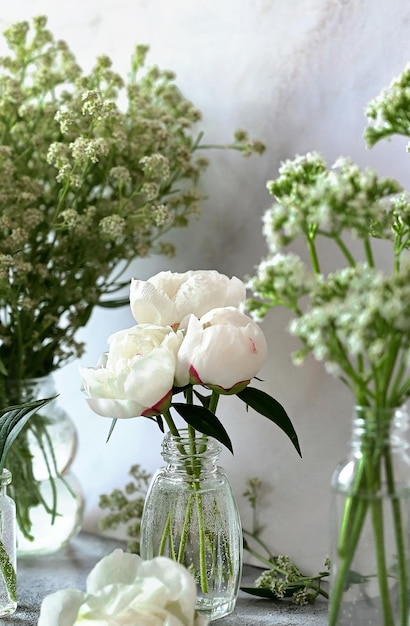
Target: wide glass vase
(8,560)
(370,540)
(191,515)
(48,495)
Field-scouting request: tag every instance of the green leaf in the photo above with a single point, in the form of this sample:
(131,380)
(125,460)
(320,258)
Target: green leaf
(113,422)
(204,400)
(205,422)
(8,573)
(12,420)
(262,592)
(267,406)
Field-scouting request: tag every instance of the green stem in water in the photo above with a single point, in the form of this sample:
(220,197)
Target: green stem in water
(402,565)
(167,533)
(367,496)
(185,530)
(196,470)
(357,510)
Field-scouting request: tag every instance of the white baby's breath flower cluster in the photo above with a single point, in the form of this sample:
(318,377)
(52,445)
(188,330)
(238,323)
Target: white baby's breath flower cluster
(356,319)
(94,172)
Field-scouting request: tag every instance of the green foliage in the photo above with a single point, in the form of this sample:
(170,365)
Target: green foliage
(356,318)
(267,406)
(203,420)
(389,113)
(12,421)
(94,171)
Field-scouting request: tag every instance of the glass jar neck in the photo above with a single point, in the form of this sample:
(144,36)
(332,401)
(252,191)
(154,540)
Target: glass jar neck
(179,452)
(5,479)
(383,426)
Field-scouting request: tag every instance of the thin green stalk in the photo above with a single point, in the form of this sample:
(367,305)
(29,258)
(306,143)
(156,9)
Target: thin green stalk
(167,533)
(349,257)
(170,423)
(202,548)
(339,584)
(185,530)
(313,255)
(194,471)
(368,251)
(373,458)
(382,572)
(352,514)
(402,565)
(262,544)
(198,499)
(259,556)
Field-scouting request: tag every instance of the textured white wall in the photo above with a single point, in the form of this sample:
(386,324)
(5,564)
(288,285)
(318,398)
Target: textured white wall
(297,75)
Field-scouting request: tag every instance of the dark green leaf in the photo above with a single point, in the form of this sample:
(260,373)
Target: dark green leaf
(205,422)
(160,422)
(204,400)
(113,422)
(267,406)
(261,592)
(12,420)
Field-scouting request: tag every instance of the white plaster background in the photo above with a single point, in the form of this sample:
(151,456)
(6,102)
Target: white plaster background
(297,74)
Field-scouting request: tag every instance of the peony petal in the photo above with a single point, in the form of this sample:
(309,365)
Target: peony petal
(118,409)
(225,347)
(150,304)
(180,585)
(168,296)
(60,608)
(117,567)
(206,290)
(136,375)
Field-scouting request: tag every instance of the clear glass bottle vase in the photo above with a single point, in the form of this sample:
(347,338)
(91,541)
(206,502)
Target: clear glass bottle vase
(48,495)
(370,529)
(8,560)
(190,515)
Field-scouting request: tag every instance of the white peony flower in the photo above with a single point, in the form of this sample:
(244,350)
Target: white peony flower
(138,373)
(224,349)
(124,590)
(168,297)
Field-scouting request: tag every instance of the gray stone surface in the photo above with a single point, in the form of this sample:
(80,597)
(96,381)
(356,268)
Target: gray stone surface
(40,576)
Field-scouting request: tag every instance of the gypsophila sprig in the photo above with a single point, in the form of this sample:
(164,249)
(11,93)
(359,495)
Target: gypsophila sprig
(95,170)
(282,579)
(389,113)
(352,312)
(87,183)
(347,317)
